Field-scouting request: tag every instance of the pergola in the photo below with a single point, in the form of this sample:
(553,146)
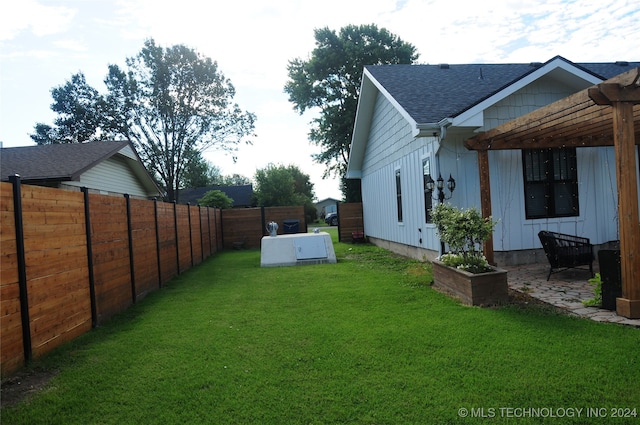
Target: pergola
(607,114)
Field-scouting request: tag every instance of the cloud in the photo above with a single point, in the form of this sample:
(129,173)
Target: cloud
(39,19)
(45,42)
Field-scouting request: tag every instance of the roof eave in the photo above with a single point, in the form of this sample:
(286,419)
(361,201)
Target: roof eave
(369,90)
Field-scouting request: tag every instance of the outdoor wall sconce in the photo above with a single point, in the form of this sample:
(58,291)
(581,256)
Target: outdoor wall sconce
(439,184)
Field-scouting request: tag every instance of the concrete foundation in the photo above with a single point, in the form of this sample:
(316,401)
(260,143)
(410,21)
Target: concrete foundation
(502,258)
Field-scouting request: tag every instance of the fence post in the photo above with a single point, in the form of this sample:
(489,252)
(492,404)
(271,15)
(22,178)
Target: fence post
(92,282)
(221,229)
(155,213)
(190,232)
(209,228)
(219,236)
(175,223)
(338,214)
(132,271)
(201,235)
(263,220)
(22,268)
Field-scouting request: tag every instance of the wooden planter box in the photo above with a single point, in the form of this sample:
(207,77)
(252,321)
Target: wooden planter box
(480,289)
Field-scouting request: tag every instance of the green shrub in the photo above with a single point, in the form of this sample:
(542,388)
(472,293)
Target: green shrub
(464,230)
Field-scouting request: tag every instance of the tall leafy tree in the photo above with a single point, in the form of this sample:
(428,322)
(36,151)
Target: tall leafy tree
(279,185)
(329,81)
(199,172)
(176,102)
(81,114)
(234,180)
(172,103)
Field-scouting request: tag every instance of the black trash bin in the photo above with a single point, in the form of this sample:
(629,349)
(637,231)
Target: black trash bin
(291,226)
(611,276)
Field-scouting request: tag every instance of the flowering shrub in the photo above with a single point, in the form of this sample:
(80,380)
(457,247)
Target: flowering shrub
(471,264)
(464,230)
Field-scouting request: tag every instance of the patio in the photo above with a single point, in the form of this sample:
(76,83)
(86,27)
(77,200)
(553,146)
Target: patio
(566,289)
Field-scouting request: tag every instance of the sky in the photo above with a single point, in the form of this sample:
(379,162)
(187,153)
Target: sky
(44,42)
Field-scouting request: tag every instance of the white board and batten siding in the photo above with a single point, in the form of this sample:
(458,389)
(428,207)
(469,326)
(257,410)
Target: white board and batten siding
(390,147)
(597,196)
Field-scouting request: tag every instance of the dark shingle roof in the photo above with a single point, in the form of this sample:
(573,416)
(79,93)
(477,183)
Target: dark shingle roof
(242,195)
(430,93)
(63,162)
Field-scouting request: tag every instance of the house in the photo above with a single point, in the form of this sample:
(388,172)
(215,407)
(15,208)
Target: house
(326,206)
(411,126)
(103,167)
(242,195)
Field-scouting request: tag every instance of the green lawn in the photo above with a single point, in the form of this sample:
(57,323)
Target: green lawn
(364,341)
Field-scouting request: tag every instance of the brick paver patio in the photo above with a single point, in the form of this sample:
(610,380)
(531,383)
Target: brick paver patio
(566,289)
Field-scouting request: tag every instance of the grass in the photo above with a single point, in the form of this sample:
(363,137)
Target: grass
(364,341)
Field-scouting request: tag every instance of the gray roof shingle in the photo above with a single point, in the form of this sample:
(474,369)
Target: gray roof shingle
(430,93)
(63,162)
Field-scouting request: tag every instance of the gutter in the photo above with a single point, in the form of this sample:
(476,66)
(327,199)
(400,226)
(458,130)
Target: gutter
(432,129)
(438,129)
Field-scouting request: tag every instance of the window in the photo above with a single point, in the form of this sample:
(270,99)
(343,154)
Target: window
(399,195)
(550,182)
(428,201)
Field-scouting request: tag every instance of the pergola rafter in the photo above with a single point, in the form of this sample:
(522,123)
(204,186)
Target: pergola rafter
(607,114)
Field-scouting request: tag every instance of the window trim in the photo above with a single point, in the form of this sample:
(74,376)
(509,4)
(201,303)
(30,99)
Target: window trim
(427,194)
(398,179)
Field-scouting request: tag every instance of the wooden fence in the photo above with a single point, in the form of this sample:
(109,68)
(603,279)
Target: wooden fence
(71,260)
(350,222)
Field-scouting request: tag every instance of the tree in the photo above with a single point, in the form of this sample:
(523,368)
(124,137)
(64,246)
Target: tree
(330,81)
(234,180)
(172,103)
(216,199)
(199,172)
(282,186)
(81,111)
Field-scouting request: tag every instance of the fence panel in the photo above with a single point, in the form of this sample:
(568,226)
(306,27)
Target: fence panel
(184,237)
(167,241)
(215,219)
(11,348)
(196,234)
(242,225)
(280,214)
(56,266)
(110,243)
(145,253)
(205,225)
(351,220)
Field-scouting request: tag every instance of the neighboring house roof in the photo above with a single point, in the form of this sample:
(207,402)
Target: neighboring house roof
(242,195)
(327,201)
(320,205)
(433,97)
(67,162)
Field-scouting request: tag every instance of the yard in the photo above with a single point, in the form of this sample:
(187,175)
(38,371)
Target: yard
(364,341)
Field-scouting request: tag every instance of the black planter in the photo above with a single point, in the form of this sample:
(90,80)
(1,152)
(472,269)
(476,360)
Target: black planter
(611,275)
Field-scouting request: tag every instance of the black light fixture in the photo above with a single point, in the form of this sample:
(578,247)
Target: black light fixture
(439,184)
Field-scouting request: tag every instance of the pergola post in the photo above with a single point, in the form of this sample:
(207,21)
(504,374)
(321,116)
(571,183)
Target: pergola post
(622,99)
(485,199)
